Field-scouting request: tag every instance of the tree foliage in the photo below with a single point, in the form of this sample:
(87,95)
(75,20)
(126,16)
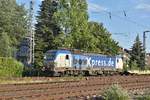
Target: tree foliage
(13,27)
(5,49)
(137,55)
(103,41)
(64,23)
(46,30)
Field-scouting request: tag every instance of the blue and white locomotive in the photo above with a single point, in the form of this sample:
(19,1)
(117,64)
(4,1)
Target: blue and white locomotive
(71,63)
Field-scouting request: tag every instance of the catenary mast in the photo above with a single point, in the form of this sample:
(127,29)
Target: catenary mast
(31,32)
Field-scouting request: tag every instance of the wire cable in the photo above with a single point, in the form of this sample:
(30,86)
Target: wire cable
(126,18)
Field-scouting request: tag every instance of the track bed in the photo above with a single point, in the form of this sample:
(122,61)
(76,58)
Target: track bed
(78,89)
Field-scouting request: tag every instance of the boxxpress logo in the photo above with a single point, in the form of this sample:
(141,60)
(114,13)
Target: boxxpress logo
(101,62)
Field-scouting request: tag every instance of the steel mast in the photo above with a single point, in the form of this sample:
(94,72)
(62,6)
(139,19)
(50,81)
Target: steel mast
(31,32)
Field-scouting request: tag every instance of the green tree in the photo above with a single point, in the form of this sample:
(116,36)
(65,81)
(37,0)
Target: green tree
(13,22)
(46,30)
(105,44)
(72,18)
(137,54)
(5,49)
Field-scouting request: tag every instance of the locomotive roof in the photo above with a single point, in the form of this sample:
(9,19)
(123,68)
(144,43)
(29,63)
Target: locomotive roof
(58,51)
(78,53)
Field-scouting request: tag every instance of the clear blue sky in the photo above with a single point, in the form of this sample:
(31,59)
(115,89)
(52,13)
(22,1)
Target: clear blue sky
(123,28)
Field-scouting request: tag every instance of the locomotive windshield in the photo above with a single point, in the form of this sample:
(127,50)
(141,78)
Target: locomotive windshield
(49,56)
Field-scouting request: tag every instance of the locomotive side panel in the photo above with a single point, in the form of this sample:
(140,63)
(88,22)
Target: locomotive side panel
(79,61)
(101,61)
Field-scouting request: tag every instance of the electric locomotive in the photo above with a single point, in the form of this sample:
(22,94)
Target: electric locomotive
(66,62)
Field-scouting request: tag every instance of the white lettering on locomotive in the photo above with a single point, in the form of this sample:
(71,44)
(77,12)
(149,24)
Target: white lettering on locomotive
(88,61)
(92,62)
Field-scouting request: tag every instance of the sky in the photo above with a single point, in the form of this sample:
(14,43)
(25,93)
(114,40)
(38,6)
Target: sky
(123,18)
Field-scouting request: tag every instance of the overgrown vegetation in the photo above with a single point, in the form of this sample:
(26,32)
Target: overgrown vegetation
(9,67)
(146,95)
(13,28)
(144,98)
(115,92)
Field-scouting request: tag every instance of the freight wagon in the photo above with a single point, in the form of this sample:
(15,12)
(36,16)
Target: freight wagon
(66,62)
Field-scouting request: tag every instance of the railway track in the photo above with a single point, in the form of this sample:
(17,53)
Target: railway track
(71,89)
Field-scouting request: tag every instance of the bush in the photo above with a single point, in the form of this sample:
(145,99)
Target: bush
(115,93)
(10,67)
(144,98)
(30,72)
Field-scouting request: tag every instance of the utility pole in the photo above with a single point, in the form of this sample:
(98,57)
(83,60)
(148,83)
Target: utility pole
(31,33)
(144,45)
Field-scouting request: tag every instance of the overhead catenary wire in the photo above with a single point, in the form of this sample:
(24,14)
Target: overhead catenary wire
(125,18)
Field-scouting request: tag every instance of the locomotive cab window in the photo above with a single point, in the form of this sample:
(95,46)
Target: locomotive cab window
(117,60)
(67,57)
(49,56)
